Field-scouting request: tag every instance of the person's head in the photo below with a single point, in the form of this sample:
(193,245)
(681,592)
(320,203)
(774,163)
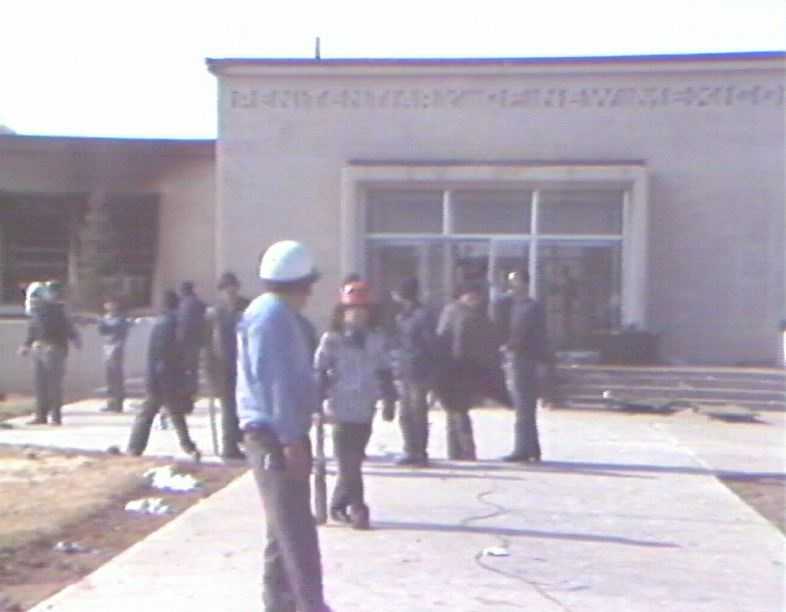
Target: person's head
(518,280)
(407,291)
(356,309)
(288,270)
(471,294)
(187,288)
(35,295)
(112,306)
(228,284)
(356,303)
(170,300)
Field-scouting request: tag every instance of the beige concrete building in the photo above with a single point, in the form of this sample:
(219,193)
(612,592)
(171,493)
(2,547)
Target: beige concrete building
(150,207)
(642,193)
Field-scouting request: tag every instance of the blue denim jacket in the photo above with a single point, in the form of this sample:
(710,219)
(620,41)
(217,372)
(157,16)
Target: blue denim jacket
(276,386)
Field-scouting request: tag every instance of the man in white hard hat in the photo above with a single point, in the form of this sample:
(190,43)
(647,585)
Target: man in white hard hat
(276,398)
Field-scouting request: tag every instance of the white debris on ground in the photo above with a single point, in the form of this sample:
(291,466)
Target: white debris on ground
(166,479)
(148,505)
(496,551)
(69,548)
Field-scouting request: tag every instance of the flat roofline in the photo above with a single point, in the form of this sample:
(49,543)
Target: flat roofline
(539,163)
(105,139)
(216,64)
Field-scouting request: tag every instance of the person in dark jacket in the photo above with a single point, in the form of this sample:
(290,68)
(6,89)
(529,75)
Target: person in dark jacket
(165,383)
(222,358)
(113,328)
(49,333)
(470,369)
(521,322)
(191,338)
(414,365)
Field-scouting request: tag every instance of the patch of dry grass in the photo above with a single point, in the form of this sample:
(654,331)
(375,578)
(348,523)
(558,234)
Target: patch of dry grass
(16,405)
(44,490)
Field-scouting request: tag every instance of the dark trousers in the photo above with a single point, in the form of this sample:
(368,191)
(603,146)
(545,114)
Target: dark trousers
(349,447)
(230,430)
(115,377)
(49,362)
(413,418)
(292,574)
(461,439)
(140,431)
(190,355)
(522,379)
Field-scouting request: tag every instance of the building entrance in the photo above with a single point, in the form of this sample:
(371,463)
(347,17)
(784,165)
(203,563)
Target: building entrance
(569,241)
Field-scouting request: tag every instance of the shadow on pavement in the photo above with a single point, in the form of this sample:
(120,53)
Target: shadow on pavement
(523,533)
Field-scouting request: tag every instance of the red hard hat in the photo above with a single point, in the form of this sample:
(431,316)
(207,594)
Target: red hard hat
(356,294)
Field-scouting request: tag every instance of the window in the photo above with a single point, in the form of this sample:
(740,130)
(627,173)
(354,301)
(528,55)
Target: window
(580,212)
(34,242)
(105,250)
(491,212)
(411,212)
(570,238)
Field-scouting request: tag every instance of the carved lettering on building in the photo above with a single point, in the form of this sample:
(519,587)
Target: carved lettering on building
(689,96)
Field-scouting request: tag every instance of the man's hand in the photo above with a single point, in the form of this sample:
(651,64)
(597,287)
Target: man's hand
(23,351)
(298,460)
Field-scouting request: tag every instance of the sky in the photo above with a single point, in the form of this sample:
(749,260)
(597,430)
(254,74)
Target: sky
(137,69)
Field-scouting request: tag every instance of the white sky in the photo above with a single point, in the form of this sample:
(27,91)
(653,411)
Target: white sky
(108,68)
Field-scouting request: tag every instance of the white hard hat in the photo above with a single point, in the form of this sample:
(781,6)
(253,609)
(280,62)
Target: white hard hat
(287,262)
(35,294)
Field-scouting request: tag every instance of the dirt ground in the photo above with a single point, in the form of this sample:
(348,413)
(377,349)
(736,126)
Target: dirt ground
(74,497)
(767,495)
(15,405)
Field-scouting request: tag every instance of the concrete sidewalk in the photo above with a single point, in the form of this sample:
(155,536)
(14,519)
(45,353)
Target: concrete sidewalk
(625,514)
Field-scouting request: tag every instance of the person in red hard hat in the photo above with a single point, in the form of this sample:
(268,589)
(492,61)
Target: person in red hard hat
(353,362)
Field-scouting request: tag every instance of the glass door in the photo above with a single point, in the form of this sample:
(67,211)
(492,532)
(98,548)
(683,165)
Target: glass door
(390,261)
(506,256)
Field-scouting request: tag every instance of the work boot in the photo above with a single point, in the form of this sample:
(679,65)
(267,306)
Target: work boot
(516,457)
(407,461)
(339,515)
(36,421)
(360,517)
(195,455)
(111,408)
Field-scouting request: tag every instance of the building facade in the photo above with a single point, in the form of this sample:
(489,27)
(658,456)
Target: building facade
(641,192)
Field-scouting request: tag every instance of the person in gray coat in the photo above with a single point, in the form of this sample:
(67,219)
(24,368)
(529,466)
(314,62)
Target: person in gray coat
(415,360)
(470,366)
(353,363)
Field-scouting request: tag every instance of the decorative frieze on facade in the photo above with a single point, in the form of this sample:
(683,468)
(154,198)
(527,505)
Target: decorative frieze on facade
(512,98)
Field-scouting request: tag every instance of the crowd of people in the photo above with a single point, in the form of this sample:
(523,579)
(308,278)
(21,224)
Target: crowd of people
(272,373)
(461,356)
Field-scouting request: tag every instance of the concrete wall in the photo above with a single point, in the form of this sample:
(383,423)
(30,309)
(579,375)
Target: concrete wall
(186,246)
(711,135)
(84,370)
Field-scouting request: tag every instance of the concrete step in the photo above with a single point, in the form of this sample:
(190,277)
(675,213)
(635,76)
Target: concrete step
(649,390)
(757,389)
